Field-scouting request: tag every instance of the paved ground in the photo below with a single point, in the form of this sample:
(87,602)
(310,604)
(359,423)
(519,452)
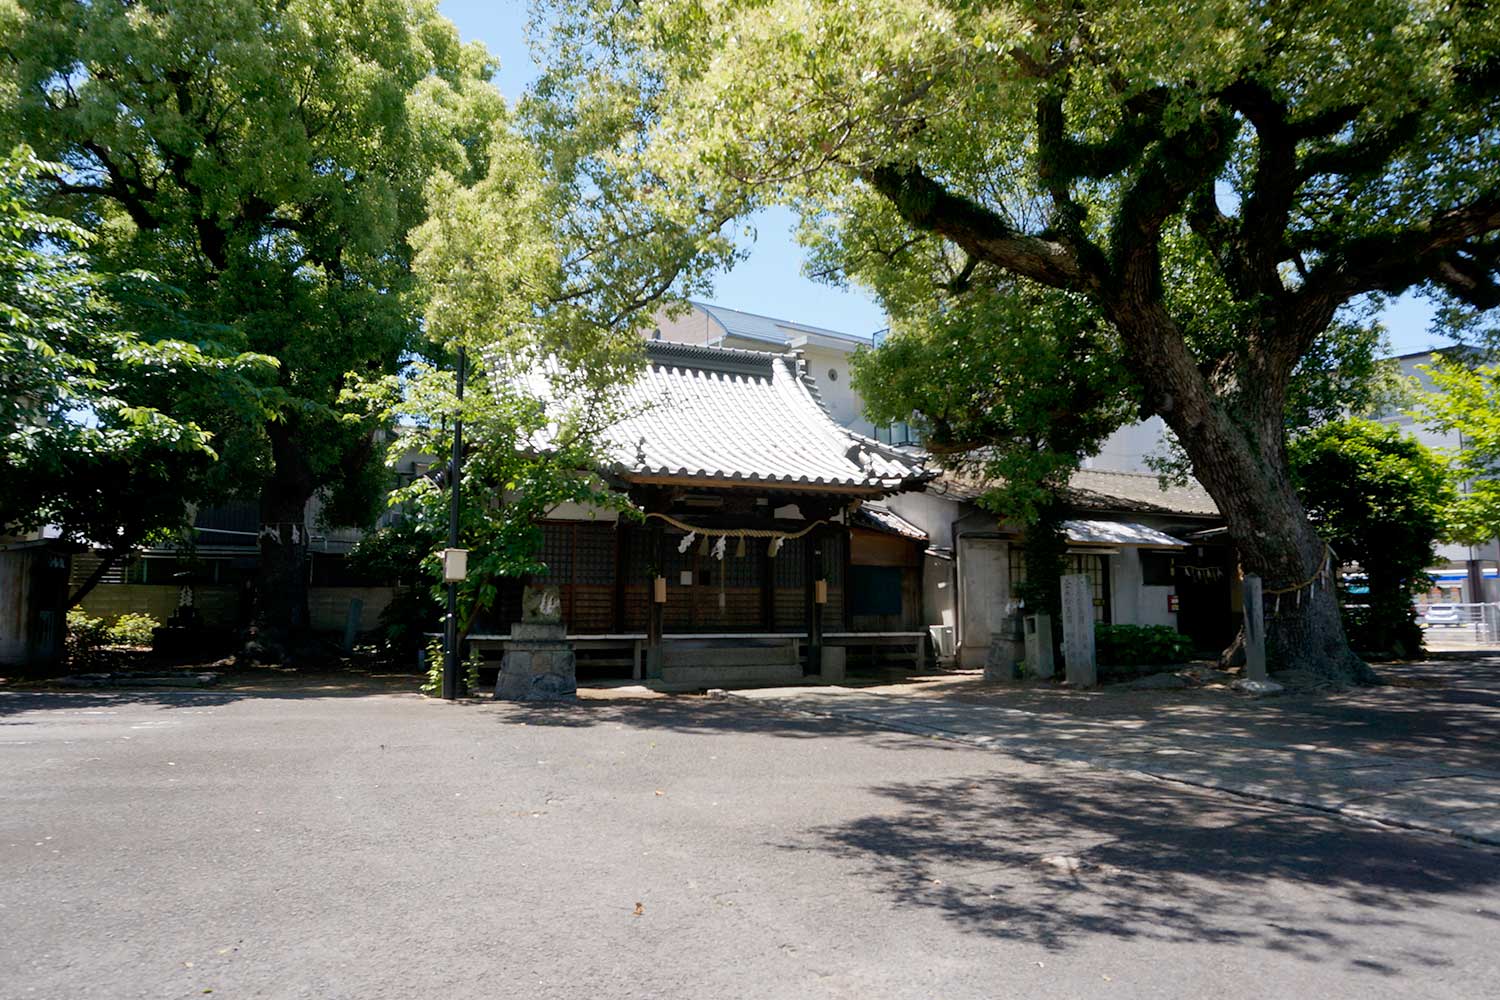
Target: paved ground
(274,843)
(1423,752)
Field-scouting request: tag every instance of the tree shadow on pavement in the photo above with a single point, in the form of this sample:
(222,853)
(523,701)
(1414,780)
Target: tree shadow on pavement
(234,687)
(705,717)
(1056,861)
(1441,713)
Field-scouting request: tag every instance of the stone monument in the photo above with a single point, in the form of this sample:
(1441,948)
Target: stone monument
(1078,630)
(1039,662)
(538,663)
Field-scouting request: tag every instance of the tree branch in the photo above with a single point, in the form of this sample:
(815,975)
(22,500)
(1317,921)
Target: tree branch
(931,207)
(1393,262)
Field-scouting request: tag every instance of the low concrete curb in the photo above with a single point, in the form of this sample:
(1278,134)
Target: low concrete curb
(1479,824)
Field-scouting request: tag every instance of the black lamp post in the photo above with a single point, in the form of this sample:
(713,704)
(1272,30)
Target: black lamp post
(450,642)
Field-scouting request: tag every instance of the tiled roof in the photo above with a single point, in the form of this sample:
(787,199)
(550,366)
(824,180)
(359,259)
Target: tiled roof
(879,517)
(1098,489)
(768,329)
(744,416)
(1103,490)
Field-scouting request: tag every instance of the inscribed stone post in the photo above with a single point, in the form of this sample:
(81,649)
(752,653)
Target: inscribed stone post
(1255,629)
(1078,630)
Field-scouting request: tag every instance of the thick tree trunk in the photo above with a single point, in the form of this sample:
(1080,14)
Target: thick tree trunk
(106,563)
(281,620)
(1240,458)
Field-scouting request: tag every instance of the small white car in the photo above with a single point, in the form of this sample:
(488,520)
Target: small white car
(1444,614)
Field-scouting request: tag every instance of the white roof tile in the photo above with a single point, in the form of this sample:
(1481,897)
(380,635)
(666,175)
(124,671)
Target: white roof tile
(715,413)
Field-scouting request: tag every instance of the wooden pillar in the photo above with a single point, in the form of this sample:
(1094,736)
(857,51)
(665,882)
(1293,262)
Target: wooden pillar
(656,610)
(767,586)
(812,563)
(622,570)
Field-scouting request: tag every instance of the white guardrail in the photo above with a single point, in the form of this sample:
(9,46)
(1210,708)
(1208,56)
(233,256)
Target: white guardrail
(1483,620)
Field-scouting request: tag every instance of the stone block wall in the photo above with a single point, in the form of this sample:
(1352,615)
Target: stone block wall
(219,604)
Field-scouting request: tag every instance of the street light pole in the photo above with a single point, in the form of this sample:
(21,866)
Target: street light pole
(450,643)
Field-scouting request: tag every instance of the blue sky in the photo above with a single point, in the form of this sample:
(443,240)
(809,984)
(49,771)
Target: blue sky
(770,280)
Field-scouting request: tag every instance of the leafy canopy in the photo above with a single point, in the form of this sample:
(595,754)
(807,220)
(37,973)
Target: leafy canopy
(94,432)
(269,159)
(1216,181)
(1381,499)
(1466,401)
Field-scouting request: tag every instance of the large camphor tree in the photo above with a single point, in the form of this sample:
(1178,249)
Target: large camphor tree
(269,160)
(1213,181)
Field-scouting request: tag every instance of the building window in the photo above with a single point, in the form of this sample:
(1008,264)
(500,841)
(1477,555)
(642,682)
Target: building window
(833,374)
(1093,568)
(1156,569)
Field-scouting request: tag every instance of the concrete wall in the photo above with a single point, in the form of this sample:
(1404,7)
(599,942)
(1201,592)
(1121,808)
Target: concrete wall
(933,514)
(692,327)
(1133,603)
(830,371)
(219,605)
(1126,449)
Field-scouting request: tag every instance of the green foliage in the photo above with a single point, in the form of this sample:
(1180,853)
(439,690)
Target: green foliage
(1221,184)
(106,433)
(1466,402)
(1046,556)
(432,686)
(132,629)
(1140,645)
(1381,499)
(532,430)
(1014,388)
(398,554)
(269,160)
(85,634)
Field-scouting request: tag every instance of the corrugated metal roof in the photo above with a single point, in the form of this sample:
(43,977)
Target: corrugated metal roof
(1120,533)
(744,416)
(766,328)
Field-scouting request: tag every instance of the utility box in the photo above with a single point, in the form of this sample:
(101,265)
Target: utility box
(1038,636)
(455,565)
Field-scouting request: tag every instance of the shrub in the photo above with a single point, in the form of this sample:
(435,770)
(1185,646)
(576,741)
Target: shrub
(433,685)
(85,634)
(1140,645)
(132,630)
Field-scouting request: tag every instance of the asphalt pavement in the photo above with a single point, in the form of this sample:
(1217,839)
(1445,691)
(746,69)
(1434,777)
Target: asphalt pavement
(1422,751)
(288,844)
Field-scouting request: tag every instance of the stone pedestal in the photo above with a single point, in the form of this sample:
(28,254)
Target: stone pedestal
(1039,662)
(538,663)
(1000,660)
(833,665)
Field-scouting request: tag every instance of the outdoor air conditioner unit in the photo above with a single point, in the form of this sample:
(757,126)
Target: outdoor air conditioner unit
(942,641)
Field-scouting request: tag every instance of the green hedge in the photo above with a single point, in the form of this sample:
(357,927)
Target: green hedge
(1140,645)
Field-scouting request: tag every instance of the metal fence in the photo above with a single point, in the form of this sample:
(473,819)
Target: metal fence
(1461,625)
